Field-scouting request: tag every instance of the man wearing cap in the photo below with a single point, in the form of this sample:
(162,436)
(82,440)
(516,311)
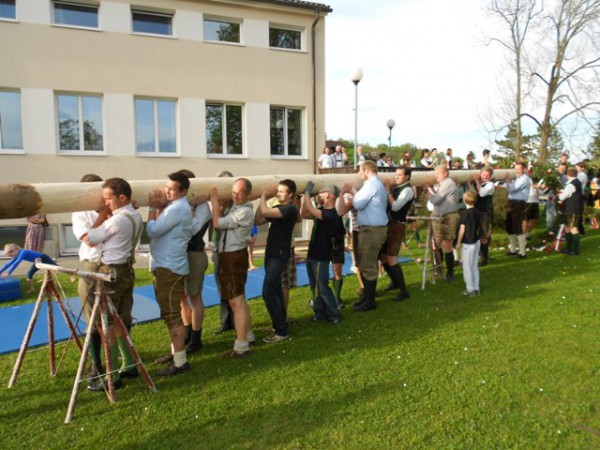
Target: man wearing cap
(283,218)
(370,203)
(445,207)
(318,257)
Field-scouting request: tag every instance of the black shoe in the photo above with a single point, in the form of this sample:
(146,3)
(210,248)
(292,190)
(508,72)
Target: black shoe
(193,347)
(522,256)
(172,369)
(365,306)
(100,385)
(483,263)
(512,254)
(358,302)
(222,329)
(450,278)
(335,321)
(401,296)
(130,373)
(389,287)
(316,319)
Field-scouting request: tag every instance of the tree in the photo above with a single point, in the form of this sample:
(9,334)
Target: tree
(511,148)
(565,72)
(593,150)
(518,16)
(573,79)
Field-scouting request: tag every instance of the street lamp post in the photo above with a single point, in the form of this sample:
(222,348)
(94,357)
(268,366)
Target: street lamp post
(356,77)
(390,124)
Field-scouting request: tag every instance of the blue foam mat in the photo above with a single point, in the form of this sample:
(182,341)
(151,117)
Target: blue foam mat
(15,319)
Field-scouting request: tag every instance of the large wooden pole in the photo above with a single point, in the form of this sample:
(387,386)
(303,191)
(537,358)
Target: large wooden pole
(23,200)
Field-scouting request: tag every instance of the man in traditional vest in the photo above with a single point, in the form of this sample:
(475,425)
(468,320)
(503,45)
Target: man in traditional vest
(485,205)
(400,198)
(572,198)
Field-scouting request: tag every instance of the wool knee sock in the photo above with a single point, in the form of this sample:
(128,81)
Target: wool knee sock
(485,252)
(513,245)
(114,361)
(576,241)
(95,348)
(387,269)
(127,362)
(398,277)
(569,241)
(522,243)
(450,262)
(337,289)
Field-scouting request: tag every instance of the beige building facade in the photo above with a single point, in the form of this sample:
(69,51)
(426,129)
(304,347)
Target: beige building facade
(141,90)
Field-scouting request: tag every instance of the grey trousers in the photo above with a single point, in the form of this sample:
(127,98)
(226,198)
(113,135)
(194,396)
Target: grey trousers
(470,259)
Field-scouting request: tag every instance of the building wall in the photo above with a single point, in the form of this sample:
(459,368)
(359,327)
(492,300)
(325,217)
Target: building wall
(45,59)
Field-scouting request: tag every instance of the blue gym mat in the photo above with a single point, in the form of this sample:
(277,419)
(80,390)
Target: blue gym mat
(14,319)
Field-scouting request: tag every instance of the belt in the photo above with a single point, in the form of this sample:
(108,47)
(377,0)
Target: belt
(447,214)
(372,226)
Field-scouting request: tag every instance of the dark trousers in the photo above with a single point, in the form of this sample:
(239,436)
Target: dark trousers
(272,293)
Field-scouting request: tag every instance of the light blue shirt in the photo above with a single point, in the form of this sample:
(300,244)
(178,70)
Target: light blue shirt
(519,189)
(371,203)
(169,236)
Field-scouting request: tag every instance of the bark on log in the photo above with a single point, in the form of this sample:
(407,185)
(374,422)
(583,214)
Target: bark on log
(23,200)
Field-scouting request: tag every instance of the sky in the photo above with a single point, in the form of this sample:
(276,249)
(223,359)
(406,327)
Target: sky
(426,65)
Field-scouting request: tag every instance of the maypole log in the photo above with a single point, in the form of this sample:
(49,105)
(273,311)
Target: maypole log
(23,200)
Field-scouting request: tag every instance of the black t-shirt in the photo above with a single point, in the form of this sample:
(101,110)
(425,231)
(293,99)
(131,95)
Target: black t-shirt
(280,232)
(471,219)
(323,230)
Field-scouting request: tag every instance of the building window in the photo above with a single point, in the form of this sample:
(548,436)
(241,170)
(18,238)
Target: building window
(221,30)
(11,135)
(8,9)
(152,23)
(223,129)
(80,122)
(11,234)
(282,38)
(76,14)
(156,124)
(286,132)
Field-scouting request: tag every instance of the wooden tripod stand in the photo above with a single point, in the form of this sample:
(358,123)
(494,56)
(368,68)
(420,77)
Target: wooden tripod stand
(104,307)
(48,291)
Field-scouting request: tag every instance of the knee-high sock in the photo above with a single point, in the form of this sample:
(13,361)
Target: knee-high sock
(485,251)
(450,262)
(522,243)
(513,245)
(398,277)
(126,357)
(387,269)
(114,361)
(569,240)
(576,241)
(95,348)
(337,288)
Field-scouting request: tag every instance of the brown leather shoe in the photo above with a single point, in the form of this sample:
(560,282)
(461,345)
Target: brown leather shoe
(232,354)
(164,359)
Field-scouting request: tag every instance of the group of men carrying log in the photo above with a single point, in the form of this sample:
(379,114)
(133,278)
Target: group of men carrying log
(177,230)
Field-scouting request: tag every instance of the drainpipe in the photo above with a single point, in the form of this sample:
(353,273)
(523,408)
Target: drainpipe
(314,85)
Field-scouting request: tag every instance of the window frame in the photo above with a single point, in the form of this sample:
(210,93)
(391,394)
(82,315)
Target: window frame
(80,3)
(19,150)
(225,154)
(285,127)
(148,12)
(281,27)
(155,124)
(11,19)
(81,127)
(229,20)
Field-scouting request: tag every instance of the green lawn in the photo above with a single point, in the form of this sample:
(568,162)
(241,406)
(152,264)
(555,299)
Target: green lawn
(517,367)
